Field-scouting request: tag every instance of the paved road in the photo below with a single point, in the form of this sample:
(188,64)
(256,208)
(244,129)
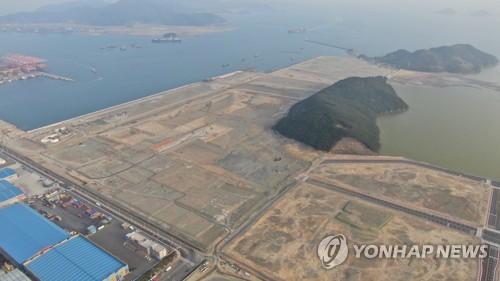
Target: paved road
(491,236)
(117,211)
(179,270)
(7,159)
(489,265)
(248,223)
(426,216)
(493,215)
(409,162)
(258,213)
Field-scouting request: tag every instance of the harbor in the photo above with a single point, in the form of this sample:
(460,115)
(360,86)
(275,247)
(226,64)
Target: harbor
(20,67)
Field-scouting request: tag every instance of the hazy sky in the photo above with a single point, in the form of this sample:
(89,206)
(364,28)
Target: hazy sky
(12,6)
(462,6)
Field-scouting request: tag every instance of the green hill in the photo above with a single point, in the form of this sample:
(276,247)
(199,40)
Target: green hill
(460,58)
(346,109)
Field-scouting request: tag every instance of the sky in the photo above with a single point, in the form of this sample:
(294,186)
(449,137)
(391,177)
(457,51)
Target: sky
(461,6)
(10,6)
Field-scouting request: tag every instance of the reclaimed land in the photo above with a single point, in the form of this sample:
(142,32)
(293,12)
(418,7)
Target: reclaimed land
(195,161)
(201,162)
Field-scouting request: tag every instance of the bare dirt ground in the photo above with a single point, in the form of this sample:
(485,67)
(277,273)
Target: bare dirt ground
(197,160)
(407,77)
(216,276)
(351,146)
(282,244)
(433,191)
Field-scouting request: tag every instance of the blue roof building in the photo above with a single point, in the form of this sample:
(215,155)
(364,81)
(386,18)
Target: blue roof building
(76,259)
(24,233)
(7,173)
(8,193)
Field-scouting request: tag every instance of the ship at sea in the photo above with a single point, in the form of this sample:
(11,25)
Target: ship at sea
(167,38)
(297,30)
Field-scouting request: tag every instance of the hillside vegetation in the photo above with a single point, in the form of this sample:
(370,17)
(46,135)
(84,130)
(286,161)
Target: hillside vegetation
(460,58)
(346,109)
(121,13)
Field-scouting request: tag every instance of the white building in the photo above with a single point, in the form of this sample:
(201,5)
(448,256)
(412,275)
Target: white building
(146,246)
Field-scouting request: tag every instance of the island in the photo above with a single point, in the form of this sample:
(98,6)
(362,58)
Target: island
(121,17)
(348,108)
(459,58)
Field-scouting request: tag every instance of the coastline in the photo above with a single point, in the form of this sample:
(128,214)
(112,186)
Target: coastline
(136,30)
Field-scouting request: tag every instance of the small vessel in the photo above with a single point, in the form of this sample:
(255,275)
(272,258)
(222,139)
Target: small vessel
(256,55)
(93,70)
(123,48)
(167,38)
(297,30)
(226,65)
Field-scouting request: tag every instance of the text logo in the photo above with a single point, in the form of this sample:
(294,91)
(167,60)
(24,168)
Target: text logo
(333,251)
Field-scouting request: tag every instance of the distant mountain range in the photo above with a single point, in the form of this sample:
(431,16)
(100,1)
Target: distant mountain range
(73,5)
(121,13)
(452,12)
(460,58)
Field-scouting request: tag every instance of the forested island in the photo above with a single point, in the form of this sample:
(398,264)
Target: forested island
(459,58)
(348,108)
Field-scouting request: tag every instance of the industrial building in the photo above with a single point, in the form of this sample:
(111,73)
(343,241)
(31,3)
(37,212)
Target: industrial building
(47,252)
(146,246)
(13,275)
(25,233)
(76,259)
(22,62)
(7,174)
(10,194)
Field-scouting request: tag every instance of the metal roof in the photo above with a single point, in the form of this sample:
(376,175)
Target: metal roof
(8,191)
(24,232)
(6,172)
(75,259)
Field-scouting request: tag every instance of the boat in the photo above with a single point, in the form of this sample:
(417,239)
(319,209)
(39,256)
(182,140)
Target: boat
(226,65)
(93,70)
(297,30)
(167,38)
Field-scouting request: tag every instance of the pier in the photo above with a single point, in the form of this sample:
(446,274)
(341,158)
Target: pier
(55,77)
(25,76)
(350,51)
